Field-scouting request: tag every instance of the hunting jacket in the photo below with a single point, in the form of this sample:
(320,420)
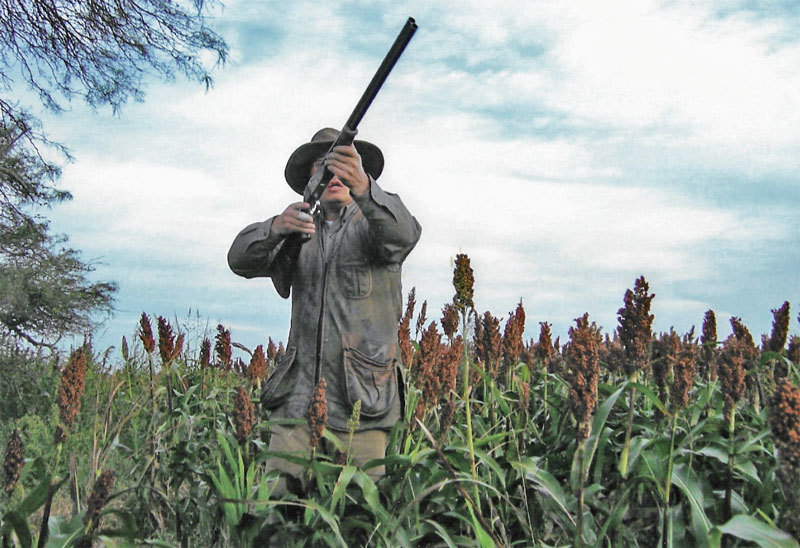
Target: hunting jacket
(346,306)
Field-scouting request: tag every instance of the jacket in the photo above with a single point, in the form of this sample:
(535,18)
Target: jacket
(346,306)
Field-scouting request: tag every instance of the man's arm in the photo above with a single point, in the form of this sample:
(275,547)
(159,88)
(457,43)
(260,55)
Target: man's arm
(254,249)
(393,231)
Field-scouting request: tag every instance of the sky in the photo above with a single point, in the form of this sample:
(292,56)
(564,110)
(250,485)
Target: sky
(566,148)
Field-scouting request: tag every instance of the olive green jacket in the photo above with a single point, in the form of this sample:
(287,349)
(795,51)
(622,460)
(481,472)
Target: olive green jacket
(345,310)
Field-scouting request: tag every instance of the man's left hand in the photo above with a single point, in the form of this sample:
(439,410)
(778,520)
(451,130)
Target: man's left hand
(344,161)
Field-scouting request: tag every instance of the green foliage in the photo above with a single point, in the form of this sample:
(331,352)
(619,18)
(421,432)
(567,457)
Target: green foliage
(183,479)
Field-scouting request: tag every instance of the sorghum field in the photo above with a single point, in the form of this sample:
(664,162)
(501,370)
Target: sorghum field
(624,438)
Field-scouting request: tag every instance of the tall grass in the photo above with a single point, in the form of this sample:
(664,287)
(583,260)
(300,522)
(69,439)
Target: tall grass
(560,446)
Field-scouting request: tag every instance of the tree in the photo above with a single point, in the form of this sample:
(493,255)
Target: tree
(44,290)
(100,51)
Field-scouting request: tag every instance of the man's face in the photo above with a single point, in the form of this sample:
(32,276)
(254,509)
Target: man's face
(335,194)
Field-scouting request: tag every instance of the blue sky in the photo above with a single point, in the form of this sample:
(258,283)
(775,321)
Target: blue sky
(567,148)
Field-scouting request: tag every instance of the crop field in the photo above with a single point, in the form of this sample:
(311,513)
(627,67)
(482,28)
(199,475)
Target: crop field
(620,438)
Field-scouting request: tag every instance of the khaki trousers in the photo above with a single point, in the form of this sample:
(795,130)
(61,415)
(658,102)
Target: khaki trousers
(295,439)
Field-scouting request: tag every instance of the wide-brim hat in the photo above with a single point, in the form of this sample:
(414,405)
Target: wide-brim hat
(298,168)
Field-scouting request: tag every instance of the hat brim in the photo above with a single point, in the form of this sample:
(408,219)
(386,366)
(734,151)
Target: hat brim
(298,168)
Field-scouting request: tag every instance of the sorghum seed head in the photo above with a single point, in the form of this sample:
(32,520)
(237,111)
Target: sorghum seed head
(70,391)
(166,340)
(421,318)
(205,353)
(512,336)
(146,334)
(13,461)
(780,328)
(731,371)
(243,415)
(463,282)
(222,347)
(449,320)
(684,371)
(404,330)
(257,370)
(635,322)
(318,412)
(272,351)
(784,422)
(99,497)
(582,357)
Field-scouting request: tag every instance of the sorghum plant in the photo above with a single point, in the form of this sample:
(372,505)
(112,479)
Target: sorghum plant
(664,354)
(318,413)
(425,370)
(146,334)
(784,422)
(708,340)
(780,329)
(463,282)
(70,391)
(582,357)
(422,318)
(257,370)
(222,347)
(635,323)
(101,491)
(243,415)
(731,371)
(404,330)
(512,337)
(449,320)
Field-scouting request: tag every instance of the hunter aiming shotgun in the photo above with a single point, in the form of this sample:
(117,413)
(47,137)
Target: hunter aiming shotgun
(317,183)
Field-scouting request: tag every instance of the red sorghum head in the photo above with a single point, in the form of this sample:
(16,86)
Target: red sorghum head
(684,371)
(449,320)
(635,322)
(99,497)
(404,330)
(146,334)
(243,415)
(731,371)
(422,318)
(222,347)
(784,422)
(166,340)
(318,412)
(205,353)
(512,336)
(257,370)
(780,328)
(582,358)
(70,391)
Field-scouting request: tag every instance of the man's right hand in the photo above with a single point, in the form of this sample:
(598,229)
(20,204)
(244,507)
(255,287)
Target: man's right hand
(293,220)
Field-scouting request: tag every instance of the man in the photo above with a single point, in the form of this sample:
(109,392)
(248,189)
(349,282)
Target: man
(346,297)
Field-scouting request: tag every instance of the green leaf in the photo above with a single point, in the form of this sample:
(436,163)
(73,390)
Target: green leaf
(545,483)
(754,530)
(685,480)
(341,485)
(14,520)
(714,452)
(483,537)
(649,394)
(328,518)
(36,498)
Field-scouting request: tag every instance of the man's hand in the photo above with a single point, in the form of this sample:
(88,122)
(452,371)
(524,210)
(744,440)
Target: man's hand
(344,161)
(293,220)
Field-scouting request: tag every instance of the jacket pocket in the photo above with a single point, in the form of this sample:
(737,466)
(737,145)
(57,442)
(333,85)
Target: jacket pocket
(356,280)
(370,376)
(275,391)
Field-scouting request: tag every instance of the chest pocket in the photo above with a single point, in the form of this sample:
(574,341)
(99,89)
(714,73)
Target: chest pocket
(356,280)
